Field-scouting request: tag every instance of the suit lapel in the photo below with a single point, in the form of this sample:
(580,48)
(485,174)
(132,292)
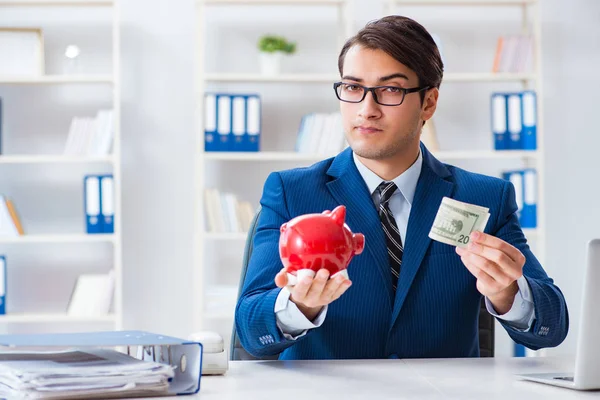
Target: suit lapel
(349,189)
(431,188)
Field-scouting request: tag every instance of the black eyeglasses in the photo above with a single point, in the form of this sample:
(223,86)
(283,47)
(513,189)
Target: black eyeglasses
(384,95)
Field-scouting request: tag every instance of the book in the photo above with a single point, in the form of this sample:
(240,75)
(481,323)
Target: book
(92,295)
(7,224)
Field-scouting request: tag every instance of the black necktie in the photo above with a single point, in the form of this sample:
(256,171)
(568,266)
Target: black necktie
(392,234)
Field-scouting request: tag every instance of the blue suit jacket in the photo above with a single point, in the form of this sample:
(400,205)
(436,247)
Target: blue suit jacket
(434,312)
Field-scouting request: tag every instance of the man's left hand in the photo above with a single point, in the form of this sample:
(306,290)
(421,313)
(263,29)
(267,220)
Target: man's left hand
(497,265)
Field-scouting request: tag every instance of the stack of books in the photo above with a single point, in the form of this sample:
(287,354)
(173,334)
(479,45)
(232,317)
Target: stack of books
(10,224)
(225,213)
(321,133)
(91,136)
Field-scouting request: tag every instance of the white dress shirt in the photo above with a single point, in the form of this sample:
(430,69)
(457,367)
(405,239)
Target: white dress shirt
(293,324)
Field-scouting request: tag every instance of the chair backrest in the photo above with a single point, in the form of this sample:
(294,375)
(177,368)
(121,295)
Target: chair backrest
(237,351)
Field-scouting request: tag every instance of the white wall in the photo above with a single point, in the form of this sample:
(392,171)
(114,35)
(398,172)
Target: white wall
(571,50)
(158,131)
(158,145)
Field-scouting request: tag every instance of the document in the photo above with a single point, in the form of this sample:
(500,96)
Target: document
(80,374)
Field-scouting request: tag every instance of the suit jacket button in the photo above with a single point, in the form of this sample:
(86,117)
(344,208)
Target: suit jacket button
(393,356)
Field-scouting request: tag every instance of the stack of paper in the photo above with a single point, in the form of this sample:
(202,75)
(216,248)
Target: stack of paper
(79,374)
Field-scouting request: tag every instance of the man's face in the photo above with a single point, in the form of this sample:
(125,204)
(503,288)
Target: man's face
(375,131)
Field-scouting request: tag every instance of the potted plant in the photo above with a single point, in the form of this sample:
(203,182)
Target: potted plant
(272,49)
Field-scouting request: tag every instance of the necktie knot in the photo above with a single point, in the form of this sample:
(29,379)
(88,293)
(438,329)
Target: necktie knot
(386,190)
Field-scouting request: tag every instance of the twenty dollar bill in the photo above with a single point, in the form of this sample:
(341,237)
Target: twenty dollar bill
(455,221)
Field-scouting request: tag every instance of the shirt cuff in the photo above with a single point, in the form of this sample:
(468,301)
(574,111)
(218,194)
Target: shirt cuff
(522,313)
(290,320)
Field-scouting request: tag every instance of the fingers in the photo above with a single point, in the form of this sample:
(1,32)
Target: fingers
(496,243)
(316,289)
(341,289)
(492,275)
(300,290)
(281,279)
(320,290)
(496,257)
(332,287)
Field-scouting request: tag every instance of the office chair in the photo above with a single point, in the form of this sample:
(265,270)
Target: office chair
(237,351)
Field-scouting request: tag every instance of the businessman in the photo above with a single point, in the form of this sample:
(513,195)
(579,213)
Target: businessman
(407,296)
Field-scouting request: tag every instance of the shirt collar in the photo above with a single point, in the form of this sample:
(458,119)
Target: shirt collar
(406,182)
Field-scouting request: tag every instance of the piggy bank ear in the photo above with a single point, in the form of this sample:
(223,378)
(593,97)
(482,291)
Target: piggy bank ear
(326,212)
(339,215)
(283,228)
(359,242)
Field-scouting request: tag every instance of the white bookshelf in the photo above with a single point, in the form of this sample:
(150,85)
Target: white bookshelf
(55,159)
(32,318)
(530,16)
(52,3)
(36,9)
(295,157)
(57,79)
(225,235)
(206,241)
(274,2)
(60,238)
(330,78)
(484,3)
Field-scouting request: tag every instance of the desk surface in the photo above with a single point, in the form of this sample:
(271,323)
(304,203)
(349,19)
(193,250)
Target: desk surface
(476,378)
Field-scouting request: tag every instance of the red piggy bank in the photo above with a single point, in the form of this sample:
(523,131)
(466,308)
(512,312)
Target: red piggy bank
(314,241)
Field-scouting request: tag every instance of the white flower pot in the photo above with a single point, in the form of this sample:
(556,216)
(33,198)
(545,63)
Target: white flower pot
(270,63)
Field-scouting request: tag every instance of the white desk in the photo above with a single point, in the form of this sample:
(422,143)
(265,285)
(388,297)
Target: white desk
(481,379)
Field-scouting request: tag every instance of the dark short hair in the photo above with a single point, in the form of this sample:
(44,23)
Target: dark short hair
(405,40)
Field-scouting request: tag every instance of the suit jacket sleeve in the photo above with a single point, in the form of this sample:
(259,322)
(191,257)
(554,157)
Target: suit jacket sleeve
(255,318)
(551,322)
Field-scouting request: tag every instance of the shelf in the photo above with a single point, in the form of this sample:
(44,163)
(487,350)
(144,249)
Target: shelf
(55,159)
(274,2)
(55,79)
(464,2)
(58,317)
(63,238)
(225,235)
(531,232)
(51,3)
(219,315)
(330,78)
(486,154)
(264,156)
(255,77)
(292,156)
(487,77)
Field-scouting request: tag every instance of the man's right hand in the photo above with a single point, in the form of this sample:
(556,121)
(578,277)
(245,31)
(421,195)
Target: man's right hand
(311,294)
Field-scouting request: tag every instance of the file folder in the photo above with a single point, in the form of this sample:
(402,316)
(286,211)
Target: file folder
(529,213)
(529,134)
(0,125)
(210,122)
(515,121)
(185,355)
(499,121)
(516,178)
(253,123)
(107,203)
(223,122)
(2,285)
(238,122)
(92,204)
